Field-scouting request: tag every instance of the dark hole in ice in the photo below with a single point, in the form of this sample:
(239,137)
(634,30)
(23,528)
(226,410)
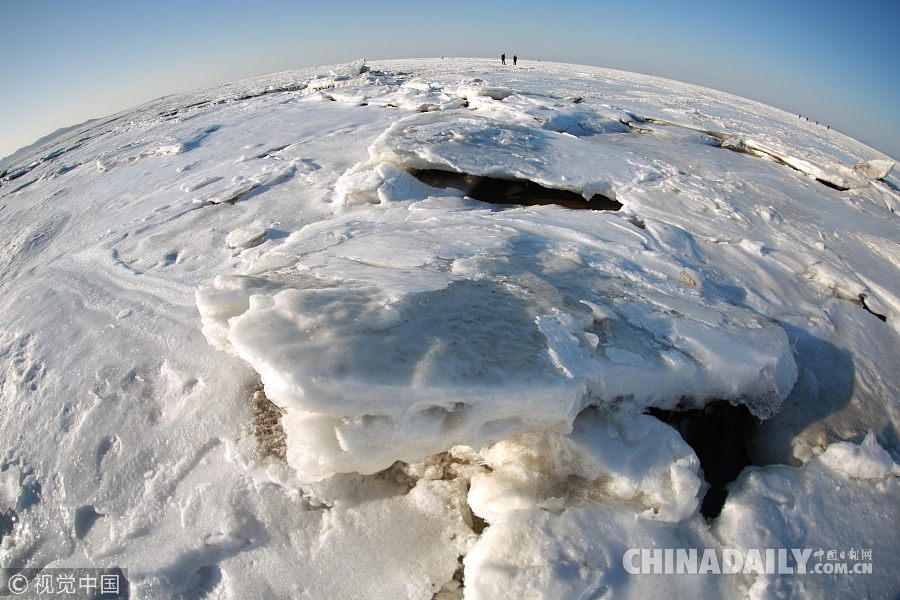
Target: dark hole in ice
(478,524)
(832,186)
(85,517)
(512,191)
(862,300)
(718,435)
(8,522)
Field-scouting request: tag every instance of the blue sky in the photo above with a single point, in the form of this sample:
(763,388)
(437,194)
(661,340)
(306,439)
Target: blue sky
(63,62)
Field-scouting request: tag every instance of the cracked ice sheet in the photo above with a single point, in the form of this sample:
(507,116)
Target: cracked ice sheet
(403,329)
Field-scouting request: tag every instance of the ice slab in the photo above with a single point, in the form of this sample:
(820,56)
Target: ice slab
(864,461)
(410,327)
(549,498)
(835,175)
(351,69)
(875,168)
(510,145)
(827,506)
(638,461)
(245,237)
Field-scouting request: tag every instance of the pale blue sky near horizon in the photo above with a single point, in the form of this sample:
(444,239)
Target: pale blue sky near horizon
(63,62)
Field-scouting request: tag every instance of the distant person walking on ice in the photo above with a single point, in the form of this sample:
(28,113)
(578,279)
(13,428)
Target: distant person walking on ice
(503,59)
(515,58)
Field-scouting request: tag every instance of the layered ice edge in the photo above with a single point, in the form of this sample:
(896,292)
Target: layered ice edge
(418,319)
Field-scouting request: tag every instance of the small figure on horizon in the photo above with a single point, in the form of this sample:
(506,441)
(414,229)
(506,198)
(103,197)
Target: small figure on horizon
(503,58)
(515,58)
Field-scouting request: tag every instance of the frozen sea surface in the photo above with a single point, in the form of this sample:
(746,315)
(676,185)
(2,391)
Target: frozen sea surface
(255,344)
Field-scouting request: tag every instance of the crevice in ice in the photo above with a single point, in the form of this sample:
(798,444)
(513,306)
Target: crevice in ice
(269,152)
(718,435)
(512,191)
(831,185)
(396,481)
(240,188)
(720,135)
(207,103)
(862,300)
(453,589)
(478,524)
(271,440)
(859,300)
(633,126)
(882,317)
(837,177)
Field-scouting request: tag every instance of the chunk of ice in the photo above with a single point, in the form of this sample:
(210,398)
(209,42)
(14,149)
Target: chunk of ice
(406,333)
(245,237)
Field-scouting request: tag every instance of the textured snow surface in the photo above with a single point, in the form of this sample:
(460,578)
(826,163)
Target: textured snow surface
(503,354)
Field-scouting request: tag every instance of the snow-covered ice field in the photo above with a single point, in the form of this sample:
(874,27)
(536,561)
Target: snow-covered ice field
(255,344)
